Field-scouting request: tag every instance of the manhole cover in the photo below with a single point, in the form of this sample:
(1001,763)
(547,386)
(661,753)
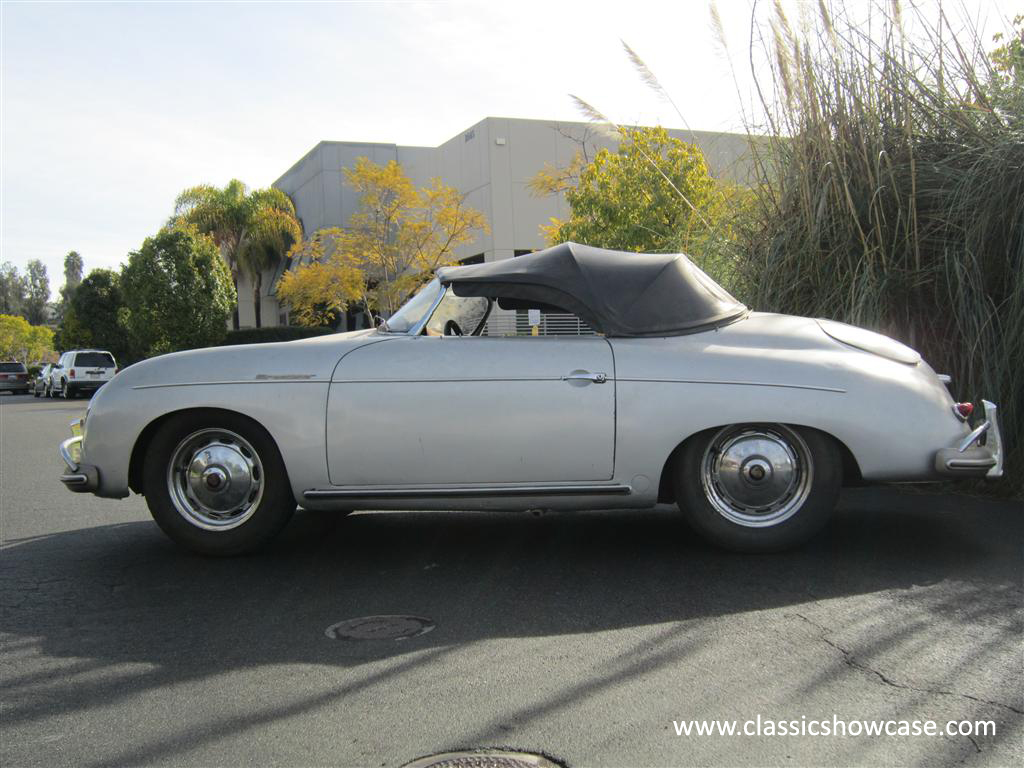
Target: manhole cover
(483,759)
(379,628)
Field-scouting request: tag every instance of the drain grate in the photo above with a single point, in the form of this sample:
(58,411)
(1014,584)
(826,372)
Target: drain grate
(379,628)
(483,759)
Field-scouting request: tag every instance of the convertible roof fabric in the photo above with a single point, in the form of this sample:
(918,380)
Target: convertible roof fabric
(618,293)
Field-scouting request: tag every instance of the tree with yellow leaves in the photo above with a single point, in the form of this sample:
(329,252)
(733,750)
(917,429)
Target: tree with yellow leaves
(396,239)
(19,340)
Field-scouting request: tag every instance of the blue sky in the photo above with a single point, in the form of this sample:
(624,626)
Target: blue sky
(108,110)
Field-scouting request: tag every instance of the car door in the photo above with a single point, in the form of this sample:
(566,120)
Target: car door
(55,372)
(39,385)
(424,410)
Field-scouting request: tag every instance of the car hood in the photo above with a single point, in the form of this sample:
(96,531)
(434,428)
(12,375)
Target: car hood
(302,360)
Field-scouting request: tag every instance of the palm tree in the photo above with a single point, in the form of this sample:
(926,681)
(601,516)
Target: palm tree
(254,230)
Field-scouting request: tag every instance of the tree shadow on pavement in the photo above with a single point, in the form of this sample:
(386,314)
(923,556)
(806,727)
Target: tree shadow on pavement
(124,595)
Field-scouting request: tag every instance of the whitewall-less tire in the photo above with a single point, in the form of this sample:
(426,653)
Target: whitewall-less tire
(758,487)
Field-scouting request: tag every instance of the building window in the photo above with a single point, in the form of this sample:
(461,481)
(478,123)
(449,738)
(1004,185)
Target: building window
(478,259)
(521,252)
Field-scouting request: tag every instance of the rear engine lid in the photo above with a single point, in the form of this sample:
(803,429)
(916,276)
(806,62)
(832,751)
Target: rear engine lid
(869,341)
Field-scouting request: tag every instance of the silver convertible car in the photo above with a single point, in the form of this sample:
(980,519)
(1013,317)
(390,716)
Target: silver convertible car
(666,389)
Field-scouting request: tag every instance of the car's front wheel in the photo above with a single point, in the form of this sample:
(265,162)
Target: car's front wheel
(215,483)
(758,487)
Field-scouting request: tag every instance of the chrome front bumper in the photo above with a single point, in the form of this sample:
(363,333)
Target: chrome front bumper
(979,454)
(80,478)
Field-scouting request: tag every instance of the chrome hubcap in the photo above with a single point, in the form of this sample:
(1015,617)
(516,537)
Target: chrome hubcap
(215,479)
(757,476)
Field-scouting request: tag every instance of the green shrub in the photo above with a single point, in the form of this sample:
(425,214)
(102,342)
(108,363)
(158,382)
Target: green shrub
(278,333)
(177,293)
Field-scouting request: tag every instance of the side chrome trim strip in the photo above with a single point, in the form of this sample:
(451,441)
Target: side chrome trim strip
(607,378)
(468,379)
(734,383)
(468,492)
(242,381)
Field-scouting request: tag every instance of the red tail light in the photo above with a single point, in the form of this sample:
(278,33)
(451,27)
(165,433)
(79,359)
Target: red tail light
(964,410)
(71,373)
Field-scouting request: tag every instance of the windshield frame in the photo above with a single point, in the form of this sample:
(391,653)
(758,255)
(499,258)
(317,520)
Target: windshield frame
(417,328)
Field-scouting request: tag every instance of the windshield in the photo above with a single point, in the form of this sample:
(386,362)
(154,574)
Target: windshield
(414,310)
(458,316)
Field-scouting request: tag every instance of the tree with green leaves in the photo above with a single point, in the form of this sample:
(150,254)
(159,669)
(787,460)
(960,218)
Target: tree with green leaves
(253,229)
(1006,78)
(92,316)
(73,266)
(12,290)
(37,293)
(177,293)
(654,194)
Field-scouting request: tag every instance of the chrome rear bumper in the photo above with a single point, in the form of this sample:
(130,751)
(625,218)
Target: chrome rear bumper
(80,478)
(979,454)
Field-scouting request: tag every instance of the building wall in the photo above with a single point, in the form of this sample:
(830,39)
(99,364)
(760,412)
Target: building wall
(490,162)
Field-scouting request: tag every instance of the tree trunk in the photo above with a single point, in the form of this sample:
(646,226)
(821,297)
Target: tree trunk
(234,318)
(257,285)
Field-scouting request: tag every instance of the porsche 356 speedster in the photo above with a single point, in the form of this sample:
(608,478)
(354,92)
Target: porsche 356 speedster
(668,390)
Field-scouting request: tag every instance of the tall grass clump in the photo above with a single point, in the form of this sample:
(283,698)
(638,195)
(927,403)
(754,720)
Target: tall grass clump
(890,193)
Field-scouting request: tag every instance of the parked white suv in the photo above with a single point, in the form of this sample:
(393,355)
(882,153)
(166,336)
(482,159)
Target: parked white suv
(80,371)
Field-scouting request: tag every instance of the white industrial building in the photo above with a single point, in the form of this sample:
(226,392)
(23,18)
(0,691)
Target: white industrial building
(491,163)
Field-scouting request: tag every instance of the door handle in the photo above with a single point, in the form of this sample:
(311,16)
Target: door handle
(596,378)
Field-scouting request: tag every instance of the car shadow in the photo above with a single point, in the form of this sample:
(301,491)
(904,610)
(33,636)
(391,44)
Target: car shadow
(124,595)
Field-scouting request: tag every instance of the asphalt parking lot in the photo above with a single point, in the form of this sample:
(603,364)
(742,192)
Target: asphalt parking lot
(583,636)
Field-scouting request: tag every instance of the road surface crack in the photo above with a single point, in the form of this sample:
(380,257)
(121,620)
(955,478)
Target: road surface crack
(851,661)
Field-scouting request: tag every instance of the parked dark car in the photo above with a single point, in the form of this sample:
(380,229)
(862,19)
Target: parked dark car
(14,377)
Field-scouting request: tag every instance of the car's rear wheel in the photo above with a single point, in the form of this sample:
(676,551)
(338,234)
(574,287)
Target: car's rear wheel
(215,483)
(758,487)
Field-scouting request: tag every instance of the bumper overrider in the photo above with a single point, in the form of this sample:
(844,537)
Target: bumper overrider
(80,478)
(979,454)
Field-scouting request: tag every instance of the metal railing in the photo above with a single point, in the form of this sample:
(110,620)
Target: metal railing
(509,324)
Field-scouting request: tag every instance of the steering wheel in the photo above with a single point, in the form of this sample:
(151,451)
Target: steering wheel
(451,328)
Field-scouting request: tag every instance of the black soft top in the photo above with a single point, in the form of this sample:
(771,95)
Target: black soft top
(618,293)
